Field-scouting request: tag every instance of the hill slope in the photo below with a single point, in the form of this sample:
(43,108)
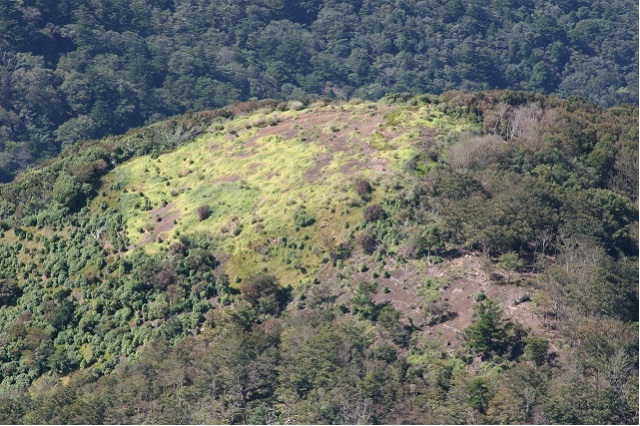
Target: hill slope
(430,259)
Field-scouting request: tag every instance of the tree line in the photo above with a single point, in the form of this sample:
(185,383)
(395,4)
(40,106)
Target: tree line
(72,70)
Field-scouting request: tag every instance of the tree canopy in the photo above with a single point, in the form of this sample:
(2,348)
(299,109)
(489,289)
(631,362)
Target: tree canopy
(76,69)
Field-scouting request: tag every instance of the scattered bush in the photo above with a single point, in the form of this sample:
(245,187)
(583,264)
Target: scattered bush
(524,298)
(303,219)
(374,213)
(204,212)
(367,241)
(362,187)
(510,262)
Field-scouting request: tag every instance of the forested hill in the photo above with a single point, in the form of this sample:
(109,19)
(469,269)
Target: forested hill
(79,69)
(452,259)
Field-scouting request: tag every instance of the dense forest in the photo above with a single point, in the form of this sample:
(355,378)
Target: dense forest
(81,69)
(458,259)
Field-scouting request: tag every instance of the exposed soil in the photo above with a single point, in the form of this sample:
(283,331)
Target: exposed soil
(283,128)
(315,172)
(468,280)
(164,217)
(403,288)
(227,178)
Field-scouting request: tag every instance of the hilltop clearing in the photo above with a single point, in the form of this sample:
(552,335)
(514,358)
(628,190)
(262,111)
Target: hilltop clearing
(431,259)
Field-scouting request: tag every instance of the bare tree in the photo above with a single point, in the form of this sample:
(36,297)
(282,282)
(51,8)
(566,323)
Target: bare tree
(525,123)
(98,233)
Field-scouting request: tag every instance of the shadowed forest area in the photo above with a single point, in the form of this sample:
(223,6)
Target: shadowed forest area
(72,70)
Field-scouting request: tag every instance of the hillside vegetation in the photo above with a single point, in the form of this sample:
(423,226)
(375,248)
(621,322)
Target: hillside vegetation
(72,70)
(462,258)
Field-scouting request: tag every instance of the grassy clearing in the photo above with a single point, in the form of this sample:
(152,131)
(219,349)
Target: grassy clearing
(261,175)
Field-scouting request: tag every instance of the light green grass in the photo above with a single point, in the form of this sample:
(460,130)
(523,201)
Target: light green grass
(255,185)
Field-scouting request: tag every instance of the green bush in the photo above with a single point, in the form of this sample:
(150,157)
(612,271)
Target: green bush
(490,334)
(536,349)
(367,241)
(362,187)
(303,219)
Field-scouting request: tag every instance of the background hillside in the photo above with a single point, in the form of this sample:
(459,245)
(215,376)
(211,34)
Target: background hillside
(431,259)
(77,69)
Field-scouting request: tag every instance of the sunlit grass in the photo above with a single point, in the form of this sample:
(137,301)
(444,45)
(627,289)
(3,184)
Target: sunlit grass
(255,178)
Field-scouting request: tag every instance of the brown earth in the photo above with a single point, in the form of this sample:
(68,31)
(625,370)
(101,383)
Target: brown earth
(230,178)
(468,280)
(164,217)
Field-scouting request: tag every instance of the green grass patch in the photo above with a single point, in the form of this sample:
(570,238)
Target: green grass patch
(431,289)
(263,186)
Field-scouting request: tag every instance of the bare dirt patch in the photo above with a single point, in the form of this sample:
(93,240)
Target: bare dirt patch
(322,161)
(468,281)
(165,218)
(402,288)
(228,178)
(283,128)
(337,131)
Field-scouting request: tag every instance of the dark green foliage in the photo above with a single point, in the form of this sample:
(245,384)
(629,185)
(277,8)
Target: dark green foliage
(479,394)
(536,349)
(9,292)
(510,262)
(362,187)
(490,334)
(302,219)
(61,315)
(367,241)
(458,186)
(204,212)
(79,70)
(374,213)
(264,294)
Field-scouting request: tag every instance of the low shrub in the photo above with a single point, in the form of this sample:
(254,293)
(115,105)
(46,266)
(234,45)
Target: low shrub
(204,212)
(374,213)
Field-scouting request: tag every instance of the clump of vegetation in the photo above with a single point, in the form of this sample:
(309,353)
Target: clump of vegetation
(303,219)
(510,262)
(536,349)
(522,299)
(265,294)
(204,212)
(367,241)
(490,334)
(374,213)
(363,188)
